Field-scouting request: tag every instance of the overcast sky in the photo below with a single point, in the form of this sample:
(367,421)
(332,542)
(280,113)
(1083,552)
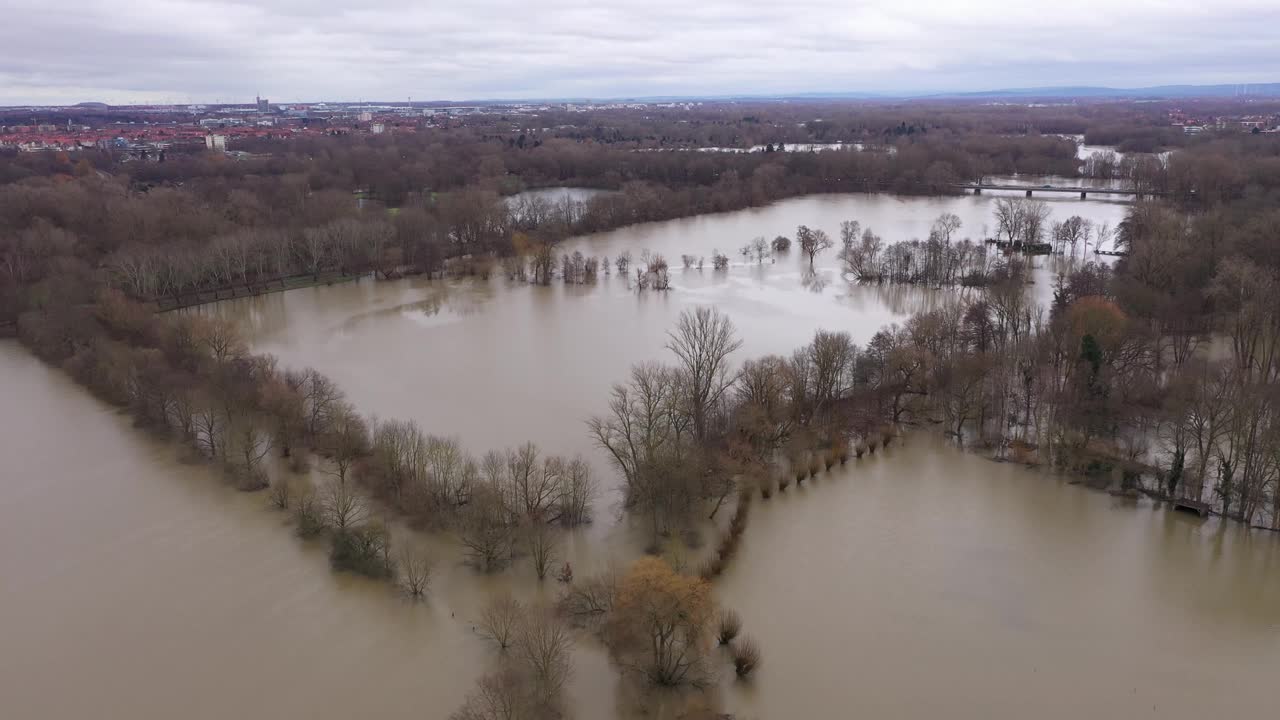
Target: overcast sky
(67,51)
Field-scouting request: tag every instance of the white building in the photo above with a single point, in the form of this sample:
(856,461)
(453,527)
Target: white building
(378,128)
(215,142)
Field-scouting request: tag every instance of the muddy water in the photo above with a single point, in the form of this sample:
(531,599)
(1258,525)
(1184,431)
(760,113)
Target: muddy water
(920,584)
(135,586)
(499,363)
(929,583)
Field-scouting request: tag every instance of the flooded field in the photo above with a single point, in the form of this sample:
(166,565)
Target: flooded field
(920,583)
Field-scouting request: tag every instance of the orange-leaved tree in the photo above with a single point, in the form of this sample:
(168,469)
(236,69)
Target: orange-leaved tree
(660,623)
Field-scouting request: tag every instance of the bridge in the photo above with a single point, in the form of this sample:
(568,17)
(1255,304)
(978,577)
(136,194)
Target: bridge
(1083,192)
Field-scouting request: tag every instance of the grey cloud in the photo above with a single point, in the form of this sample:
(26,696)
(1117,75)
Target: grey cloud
(208,50)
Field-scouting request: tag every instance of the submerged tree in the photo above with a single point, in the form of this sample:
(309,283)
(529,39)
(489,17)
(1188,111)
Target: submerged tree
(660,623)
(812,242)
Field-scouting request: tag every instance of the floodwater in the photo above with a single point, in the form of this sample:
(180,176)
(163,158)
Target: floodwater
(926,583)
(536,362)
(922,582)
(794,147)
(133,585)
(557,195)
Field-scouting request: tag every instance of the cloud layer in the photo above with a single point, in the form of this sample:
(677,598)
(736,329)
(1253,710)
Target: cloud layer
(289,50)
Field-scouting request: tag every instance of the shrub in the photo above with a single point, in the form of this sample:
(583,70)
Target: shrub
(281,494)
(308,515)
(730,624)
(364,550)
(746,657)
(814,466)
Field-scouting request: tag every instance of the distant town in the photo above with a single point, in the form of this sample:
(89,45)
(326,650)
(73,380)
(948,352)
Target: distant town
(146,132)
(149,132)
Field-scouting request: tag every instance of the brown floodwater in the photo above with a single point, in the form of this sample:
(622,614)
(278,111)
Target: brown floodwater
(920,583)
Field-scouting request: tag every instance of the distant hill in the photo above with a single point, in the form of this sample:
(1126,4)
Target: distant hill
(1066,92)
(1062,92)
(1158,91)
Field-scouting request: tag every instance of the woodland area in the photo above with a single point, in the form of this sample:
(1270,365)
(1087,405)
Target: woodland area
(1160,375)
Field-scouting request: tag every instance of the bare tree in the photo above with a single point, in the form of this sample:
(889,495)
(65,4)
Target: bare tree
(945,226)
(251,446)
(543,645)
(577,487)
(531,485)
(281,494)
(1035,221)
(346,441)
(813,242)
(219,338)
(623,262)
(484,529)
(703,340)
(849,230)
(648,435)
(1009,219)
(591,599)
(500,621)
(320,395)
(1070,232)
(540,541)
(343,507)
(415,572)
